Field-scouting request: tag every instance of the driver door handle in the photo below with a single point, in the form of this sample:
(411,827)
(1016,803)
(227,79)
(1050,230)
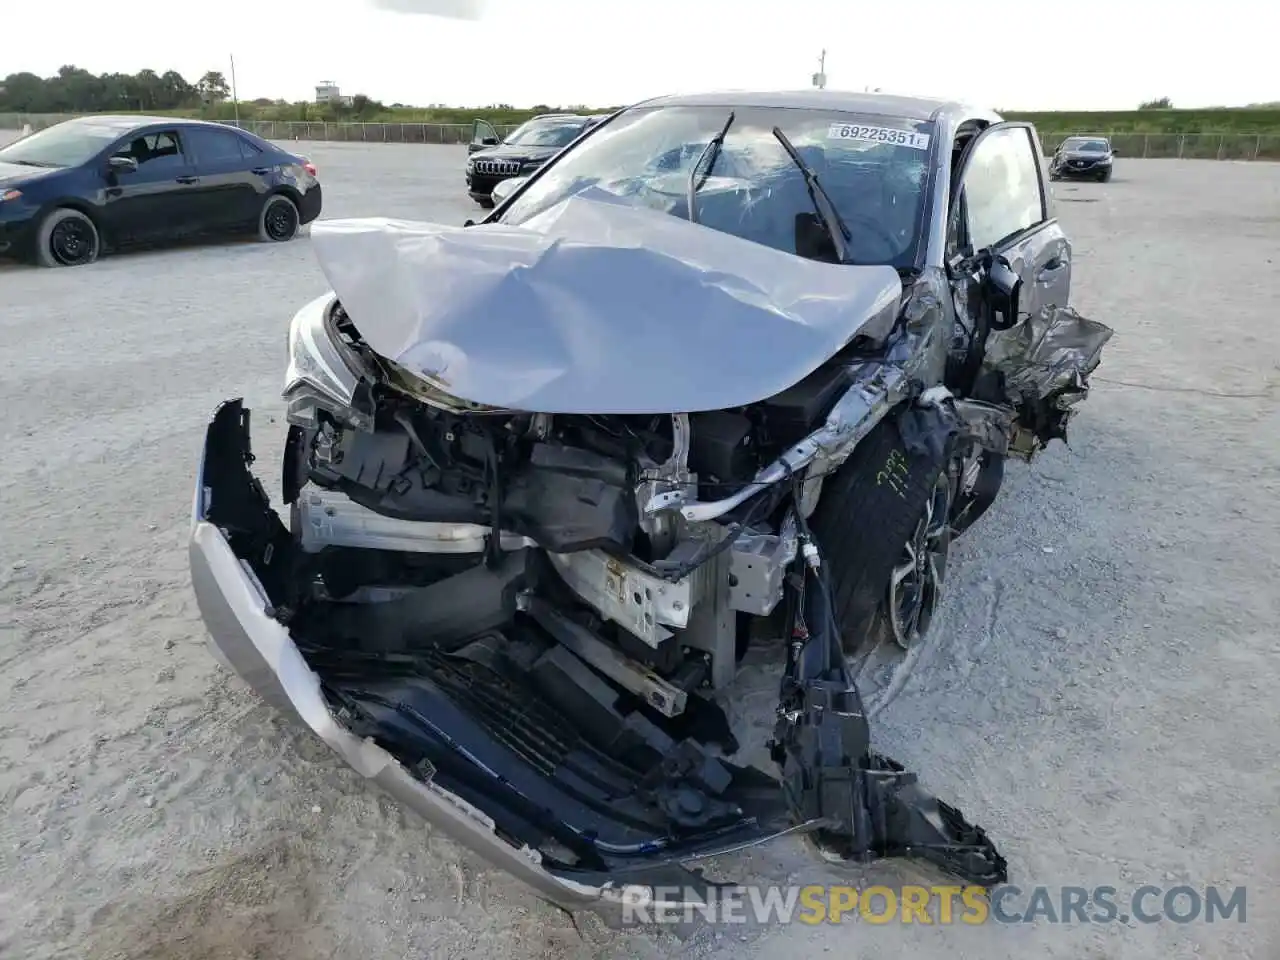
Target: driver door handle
(188,179)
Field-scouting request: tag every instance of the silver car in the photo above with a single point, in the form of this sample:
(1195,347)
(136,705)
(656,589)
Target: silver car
(732,369)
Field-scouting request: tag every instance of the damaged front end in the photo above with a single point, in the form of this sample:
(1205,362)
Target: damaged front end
(523,624)
(489,706)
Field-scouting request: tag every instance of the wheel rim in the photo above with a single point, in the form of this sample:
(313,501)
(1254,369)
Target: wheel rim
(72,242)
(915,587)
(281,221)
(911,599)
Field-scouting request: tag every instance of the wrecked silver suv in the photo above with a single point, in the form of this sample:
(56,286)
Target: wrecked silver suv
(733,368)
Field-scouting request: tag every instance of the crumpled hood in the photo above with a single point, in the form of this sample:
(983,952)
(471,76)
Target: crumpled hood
(597,306)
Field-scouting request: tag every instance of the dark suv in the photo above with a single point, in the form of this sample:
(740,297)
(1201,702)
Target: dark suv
(1087,158)
(532,144)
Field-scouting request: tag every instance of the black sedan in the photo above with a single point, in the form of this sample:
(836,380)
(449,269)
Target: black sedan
(526,149)
(1083,158)
(85,186)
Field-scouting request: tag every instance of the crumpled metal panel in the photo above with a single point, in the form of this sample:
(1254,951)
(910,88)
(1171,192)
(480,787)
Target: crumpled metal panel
(597,306)
(1048,353)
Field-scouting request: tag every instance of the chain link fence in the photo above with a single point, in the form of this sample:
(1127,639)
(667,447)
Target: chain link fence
(364,132)
(1188,146)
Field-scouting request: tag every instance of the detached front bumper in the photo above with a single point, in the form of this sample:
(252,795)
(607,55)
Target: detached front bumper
(862,806)
(244,636)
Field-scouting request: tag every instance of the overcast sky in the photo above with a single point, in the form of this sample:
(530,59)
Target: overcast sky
(1023,54)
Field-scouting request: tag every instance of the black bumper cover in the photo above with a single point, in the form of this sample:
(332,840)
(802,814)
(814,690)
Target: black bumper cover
(312,203)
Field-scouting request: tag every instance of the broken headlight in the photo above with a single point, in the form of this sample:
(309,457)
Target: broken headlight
(322,373)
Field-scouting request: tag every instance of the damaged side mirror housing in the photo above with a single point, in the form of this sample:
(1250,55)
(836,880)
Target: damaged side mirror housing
(1003,289)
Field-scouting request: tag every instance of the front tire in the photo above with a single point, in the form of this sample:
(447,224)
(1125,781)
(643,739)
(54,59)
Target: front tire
(883,525)
(279,220)
(67,238)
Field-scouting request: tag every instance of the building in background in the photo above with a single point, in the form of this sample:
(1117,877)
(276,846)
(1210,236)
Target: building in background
(327,92)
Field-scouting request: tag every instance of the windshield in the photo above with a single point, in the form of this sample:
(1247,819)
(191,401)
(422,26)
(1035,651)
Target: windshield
(875,169)
(1087,146)
(545,133)
(62,145)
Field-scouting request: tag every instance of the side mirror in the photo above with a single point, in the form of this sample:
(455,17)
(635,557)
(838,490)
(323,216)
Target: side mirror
(1004,287)
(1115,151)
(504,188)
(489,141)
(122,165)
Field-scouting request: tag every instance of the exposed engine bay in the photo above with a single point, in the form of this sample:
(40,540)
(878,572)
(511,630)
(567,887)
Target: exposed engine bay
(598,494)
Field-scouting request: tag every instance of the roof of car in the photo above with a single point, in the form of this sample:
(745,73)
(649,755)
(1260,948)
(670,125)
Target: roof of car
(564,116)
(128,121)
(873,104)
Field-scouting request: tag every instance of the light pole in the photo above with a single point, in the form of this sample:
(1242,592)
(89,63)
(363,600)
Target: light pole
(235,100)
(820,78)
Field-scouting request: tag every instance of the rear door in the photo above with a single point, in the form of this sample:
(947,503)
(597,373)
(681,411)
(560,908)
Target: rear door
(231,184)
(1005,207)
(483,135)
(159,199)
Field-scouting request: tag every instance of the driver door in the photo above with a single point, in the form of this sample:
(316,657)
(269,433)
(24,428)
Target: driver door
(483,136)
(160,199)
(1001,204)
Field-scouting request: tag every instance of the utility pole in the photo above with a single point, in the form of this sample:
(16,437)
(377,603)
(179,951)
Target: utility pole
(235,100)
(820,78)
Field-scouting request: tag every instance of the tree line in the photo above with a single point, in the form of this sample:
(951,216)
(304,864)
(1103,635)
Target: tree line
(75,90)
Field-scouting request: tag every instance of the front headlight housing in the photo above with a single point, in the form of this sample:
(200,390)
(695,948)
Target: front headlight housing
(323,374)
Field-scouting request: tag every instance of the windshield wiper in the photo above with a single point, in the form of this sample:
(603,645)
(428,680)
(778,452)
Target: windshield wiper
(709,154)
(822,204)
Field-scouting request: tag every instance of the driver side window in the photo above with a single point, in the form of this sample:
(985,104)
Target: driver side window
(1001,194)
(155,152)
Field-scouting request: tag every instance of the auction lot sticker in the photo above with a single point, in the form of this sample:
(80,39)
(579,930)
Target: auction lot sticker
(889,135)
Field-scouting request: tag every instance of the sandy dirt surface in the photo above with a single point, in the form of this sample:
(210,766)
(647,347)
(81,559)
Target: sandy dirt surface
(1102,696)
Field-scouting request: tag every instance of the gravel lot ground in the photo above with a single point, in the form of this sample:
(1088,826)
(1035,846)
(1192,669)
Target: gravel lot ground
(1102,698)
